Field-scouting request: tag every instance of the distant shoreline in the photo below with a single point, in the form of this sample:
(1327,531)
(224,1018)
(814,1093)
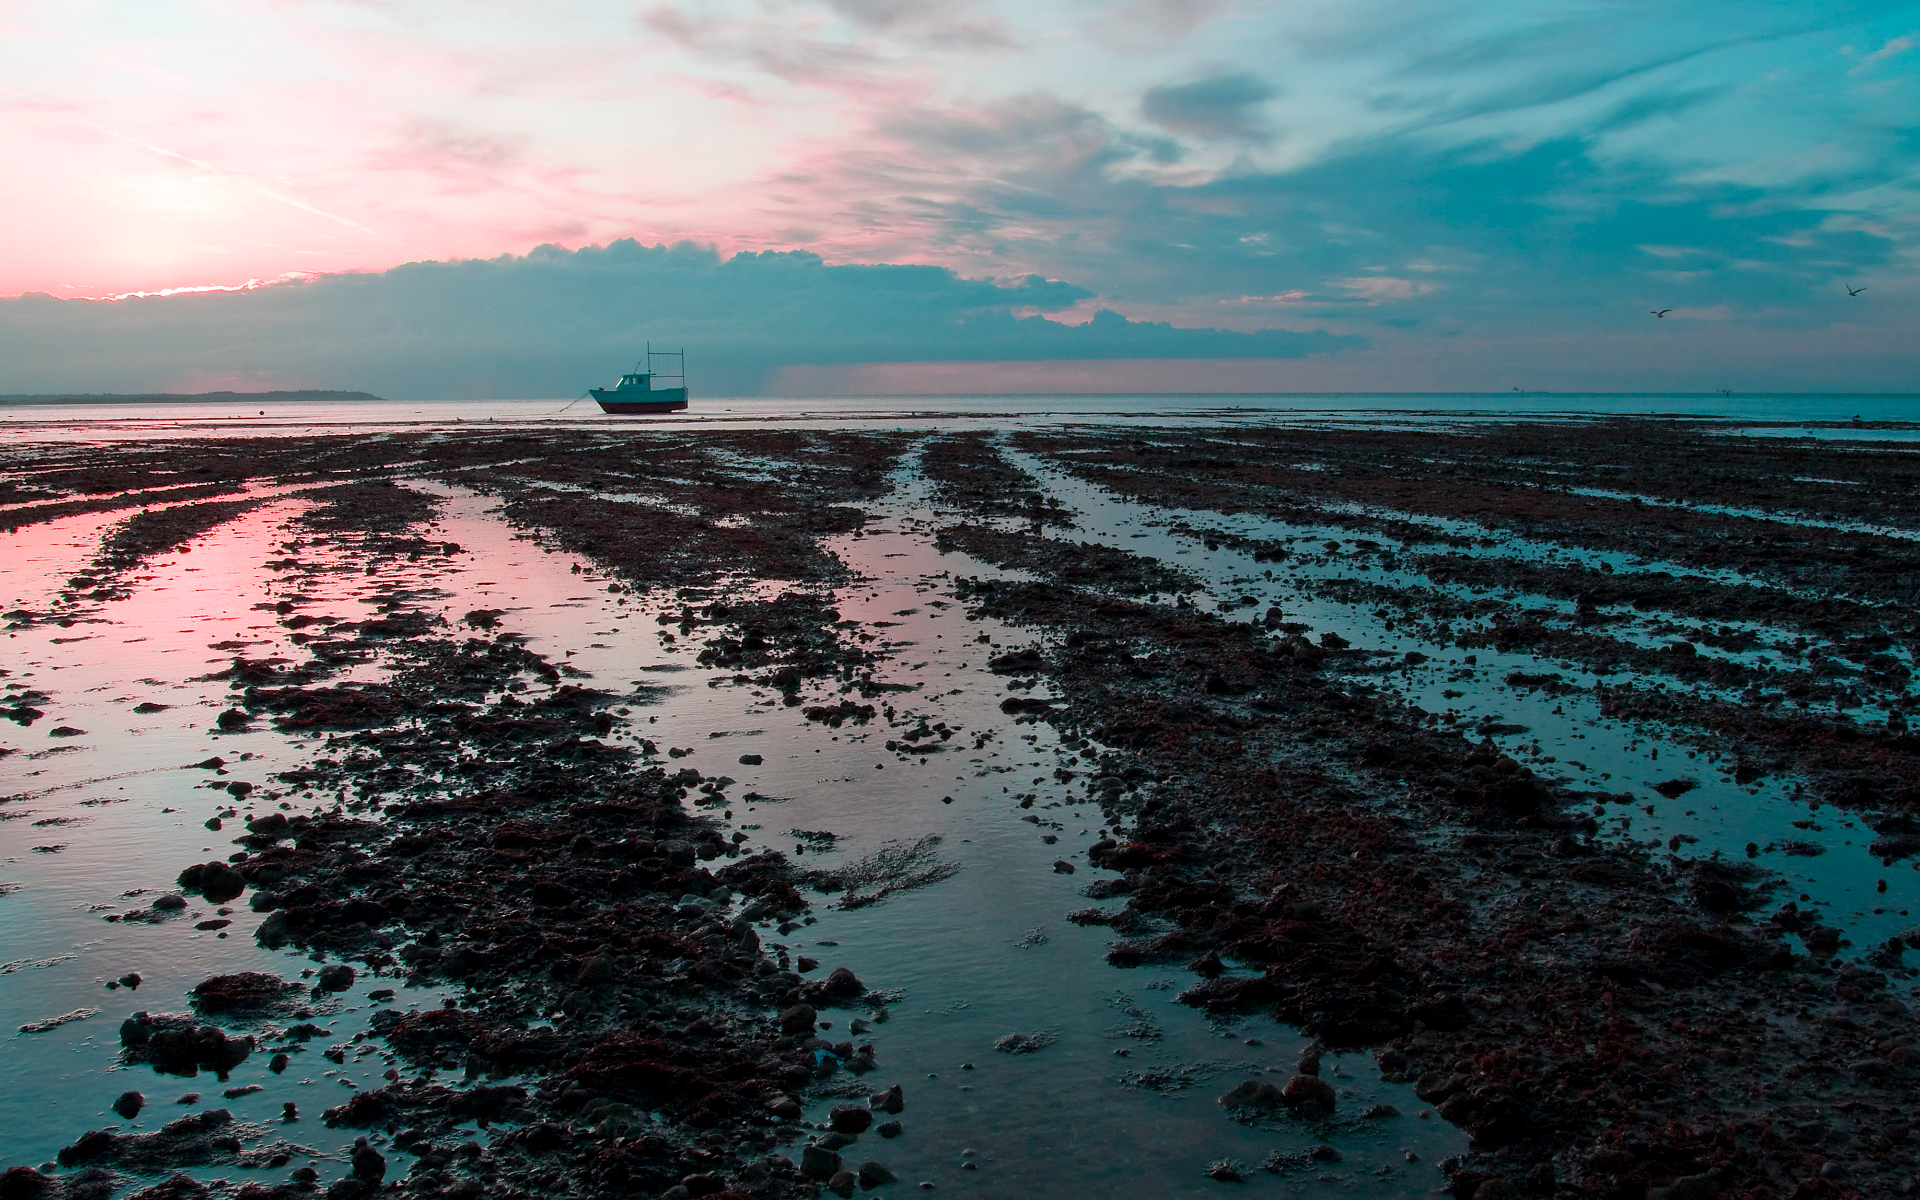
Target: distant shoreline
(184,397)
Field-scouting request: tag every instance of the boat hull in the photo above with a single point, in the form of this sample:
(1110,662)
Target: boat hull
(661,400)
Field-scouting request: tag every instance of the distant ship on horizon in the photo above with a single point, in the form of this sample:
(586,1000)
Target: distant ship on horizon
(635,392)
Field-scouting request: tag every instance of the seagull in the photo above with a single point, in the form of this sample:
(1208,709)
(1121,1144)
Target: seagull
(1663,312)
(1853,291)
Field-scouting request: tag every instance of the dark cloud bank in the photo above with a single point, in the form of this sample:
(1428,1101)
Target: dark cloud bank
(555,322)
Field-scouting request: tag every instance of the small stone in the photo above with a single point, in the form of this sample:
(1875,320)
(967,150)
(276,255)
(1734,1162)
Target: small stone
(817,1162)
(22,1183)
(890,1129)
(245,992)
(1062,867)
(892,1101)
(130,980)
(129,1104)
(873,1175)
(217,881)
(335,977)
(850,1119)
(842,1183)
(799,1019)
(1308,1096)
(1496,1189)
(277,1063)
(1324,1153)
(751,760)
(1023,1043)
(842,984)
(368,1163)
(1254,1093)
(168,903)
(1688,1187)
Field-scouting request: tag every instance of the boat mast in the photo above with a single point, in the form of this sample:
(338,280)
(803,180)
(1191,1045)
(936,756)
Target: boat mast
(680,354)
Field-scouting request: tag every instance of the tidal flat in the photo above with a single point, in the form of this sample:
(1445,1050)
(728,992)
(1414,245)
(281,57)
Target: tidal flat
(1509,806)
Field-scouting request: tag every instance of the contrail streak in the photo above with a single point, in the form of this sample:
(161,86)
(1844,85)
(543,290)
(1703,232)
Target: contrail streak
(243,181)
(292,201)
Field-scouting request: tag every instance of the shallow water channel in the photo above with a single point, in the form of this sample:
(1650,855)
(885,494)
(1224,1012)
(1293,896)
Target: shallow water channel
(1820,851)
(1120,1096)
(1119,1099)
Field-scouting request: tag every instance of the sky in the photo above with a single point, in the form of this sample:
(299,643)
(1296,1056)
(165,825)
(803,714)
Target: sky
(960,195)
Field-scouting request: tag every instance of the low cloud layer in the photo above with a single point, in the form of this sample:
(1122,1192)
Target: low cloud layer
(555,322)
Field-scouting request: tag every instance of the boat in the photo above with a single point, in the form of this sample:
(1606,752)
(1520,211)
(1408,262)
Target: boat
(636,393)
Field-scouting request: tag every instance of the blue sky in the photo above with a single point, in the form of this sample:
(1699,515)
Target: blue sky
(1378,195)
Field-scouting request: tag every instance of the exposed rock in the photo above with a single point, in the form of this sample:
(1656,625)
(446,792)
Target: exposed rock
(217,881)
(23,1183)
(1309,1097)
(249,992)
(799,1019)
(179,1045)
(841,986)
(368,1163)
(817,1162)
(1254,1094)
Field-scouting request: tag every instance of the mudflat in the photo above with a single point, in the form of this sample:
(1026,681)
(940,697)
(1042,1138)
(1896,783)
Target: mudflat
(1520,807)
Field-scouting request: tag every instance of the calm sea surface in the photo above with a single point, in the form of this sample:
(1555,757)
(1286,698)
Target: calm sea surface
(253,418)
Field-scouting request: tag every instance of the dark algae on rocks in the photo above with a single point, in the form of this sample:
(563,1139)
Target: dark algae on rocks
(611,1015)
(1602,1018)
(1326,686)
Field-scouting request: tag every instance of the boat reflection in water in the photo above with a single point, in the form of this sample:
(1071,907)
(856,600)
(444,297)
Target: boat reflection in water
(636,393)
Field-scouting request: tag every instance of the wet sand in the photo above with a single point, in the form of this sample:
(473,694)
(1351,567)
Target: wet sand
(1165,810)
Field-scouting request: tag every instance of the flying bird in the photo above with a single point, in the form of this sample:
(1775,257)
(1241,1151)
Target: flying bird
(1853,291)
(1661,313)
